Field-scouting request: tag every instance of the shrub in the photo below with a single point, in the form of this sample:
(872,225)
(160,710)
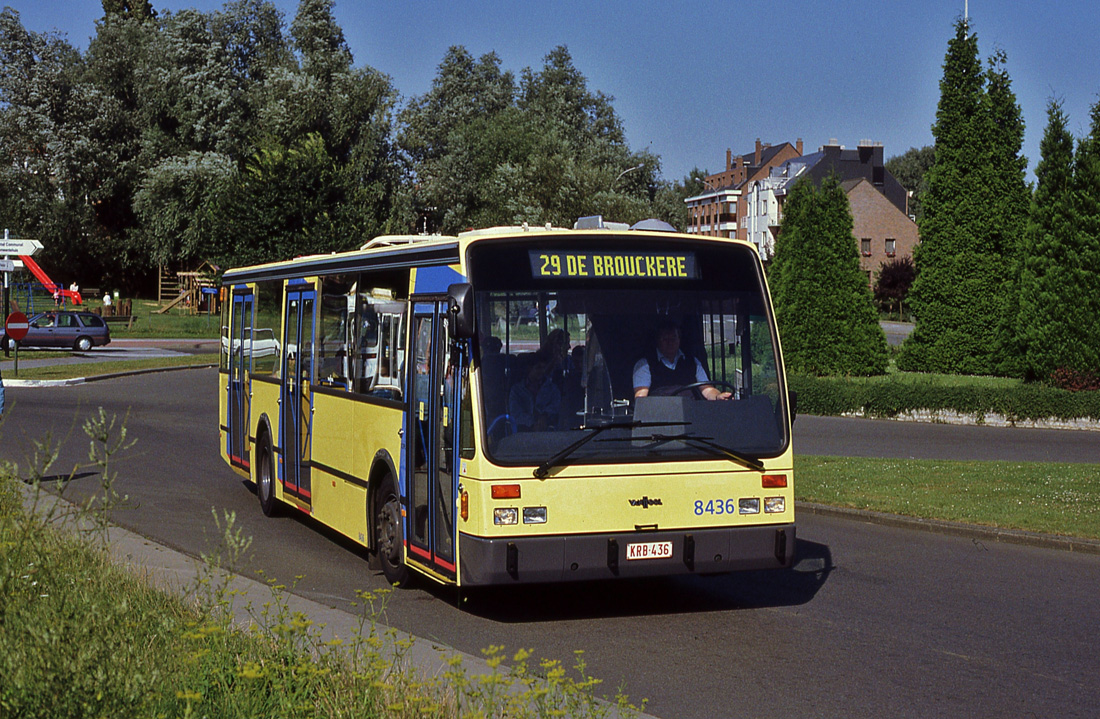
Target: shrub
(834,396)
(1074,380)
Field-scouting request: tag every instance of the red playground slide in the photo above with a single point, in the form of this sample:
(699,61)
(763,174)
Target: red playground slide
(49,284)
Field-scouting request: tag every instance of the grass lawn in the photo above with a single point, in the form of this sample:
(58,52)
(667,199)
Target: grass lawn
(91,369)
(1051,498)
(895,376)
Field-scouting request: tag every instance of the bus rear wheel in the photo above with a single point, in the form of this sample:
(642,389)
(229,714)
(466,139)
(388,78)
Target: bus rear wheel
(265,479)
(389,533)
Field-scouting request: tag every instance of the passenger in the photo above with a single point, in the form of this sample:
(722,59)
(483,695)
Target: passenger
(556,347)
(669,369)
(572,395)
(534,403)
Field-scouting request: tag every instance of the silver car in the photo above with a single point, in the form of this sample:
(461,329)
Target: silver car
(79,330)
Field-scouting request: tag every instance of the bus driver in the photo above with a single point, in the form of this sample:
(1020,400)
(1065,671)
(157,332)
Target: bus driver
(668,369)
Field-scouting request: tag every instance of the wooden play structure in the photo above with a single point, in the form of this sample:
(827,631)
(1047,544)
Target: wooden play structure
(193,291)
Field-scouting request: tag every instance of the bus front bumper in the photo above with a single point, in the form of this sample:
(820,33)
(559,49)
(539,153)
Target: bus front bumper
(604,556)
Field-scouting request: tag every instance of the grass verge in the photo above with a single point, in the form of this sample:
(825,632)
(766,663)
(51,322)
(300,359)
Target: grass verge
(81,636)
(92,369)
(1051,498)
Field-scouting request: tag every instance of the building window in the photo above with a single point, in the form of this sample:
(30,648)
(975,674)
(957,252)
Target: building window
(865,246)
(891,247)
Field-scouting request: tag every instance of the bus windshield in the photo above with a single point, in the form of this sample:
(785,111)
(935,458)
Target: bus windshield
(668,369)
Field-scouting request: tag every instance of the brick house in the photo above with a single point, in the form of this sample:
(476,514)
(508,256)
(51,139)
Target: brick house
(883,231)
(879,203)
(716,212)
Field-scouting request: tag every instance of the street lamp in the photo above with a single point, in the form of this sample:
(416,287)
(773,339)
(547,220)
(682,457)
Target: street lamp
(639,166)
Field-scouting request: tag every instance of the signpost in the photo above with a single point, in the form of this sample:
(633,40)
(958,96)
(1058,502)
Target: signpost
(16,328)
(13,246)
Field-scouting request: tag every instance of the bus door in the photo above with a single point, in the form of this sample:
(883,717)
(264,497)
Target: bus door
(431,428)
(240,357)
(295,398)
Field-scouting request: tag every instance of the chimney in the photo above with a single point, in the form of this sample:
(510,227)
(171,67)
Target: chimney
(729,159)
(798,146)
(756,158)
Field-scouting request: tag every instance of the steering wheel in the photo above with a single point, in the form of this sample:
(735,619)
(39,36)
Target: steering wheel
(508,422)
(696,387)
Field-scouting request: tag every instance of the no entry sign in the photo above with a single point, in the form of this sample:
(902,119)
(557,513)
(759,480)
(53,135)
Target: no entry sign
(16,326)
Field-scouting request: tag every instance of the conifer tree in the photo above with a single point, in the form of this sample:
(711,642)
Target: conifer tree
(822,302)
(1050,232)
(970,223)
(1012,198)
(1059,293)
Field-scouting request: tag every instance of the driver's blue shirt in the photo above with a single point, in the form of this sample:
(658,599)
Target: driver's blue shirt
(643,378)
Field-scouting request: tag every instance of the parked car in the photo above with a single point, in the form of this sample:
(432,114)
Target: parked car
(78,330)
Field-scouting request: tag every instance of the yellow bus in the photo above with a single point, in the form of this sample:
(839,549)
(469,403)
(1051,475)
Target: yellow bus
(516,405)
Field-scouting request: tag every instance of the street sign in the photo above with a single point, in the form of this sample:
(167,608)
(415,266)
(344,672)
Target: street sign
(16,326)
(7,265)
(12,246)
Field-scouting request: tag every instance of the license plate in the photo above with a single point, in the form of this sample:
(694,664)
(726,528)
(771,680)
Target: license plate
(649,550)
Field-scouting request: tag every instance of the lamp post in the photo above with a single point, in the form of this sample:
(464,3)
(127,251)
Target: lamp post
(639,166)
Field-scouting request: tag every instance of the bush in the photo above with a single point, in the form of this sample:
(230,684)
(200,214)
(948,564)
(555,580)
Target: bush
(1075,381)
(834,396)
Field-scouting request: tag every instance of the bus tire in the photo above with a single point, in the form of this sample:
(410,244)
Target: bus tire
(388,532)
(265,479)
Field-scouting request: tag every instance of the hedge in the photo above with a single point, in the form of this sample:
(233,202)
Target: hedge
(834,396)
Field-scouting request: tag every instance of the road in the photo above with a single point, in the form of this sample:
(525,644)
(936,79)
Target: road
(872,620)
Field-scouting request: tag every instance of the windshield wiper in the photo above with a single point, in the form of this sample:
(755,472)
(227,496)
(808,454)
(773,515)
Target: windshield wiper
(743,459)
(543,469)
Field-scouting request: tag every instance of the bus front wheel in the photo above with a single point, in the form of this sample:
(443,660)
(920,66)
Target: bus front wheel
(389,533)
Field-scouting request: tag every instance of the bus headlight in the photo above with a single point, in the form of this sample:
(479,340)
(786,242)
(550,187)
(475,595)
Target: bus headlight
(748,505)
(506,515)
(775,505)
(534,515)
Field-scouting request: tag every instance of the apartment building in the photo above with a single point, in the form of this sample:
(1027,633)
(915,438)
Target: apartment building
(718,210)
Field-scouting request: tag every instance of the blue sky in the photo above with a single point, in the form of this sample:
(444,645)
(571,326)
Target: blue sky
(691,79)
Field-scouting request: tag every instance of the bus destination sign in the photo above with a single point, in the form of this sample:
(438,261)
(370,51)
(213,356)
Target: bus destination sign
(613,265)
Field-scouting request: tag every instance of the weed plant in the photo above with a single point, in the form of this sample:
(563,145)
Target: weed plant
(81,636)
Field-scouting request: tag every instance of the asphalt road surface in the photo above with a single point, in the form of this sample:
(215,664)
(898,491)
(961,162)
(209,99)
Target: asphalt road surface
(872,620)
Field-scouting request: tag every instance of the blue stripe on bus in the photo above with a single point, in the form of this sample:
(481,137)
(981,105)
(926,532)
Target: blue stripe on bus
(436,279)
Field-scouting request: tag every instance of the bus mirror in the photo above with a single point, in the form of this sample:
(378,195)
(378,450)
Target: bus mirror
(461,301)
(792,404)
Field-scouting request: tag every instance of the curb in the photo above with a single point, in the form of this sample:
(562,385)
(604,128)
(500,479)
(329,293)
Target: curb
(959,529)
(97,377)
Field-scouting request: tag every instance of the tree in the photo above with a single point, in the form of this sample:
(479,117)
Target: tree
(319,39)
(910,168)
(481,152)
(822,303)
(1012,197)
(286,202)
(1056,324)
(49,119)
(968,226)
(173,202)
(892,285)
(140,10)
